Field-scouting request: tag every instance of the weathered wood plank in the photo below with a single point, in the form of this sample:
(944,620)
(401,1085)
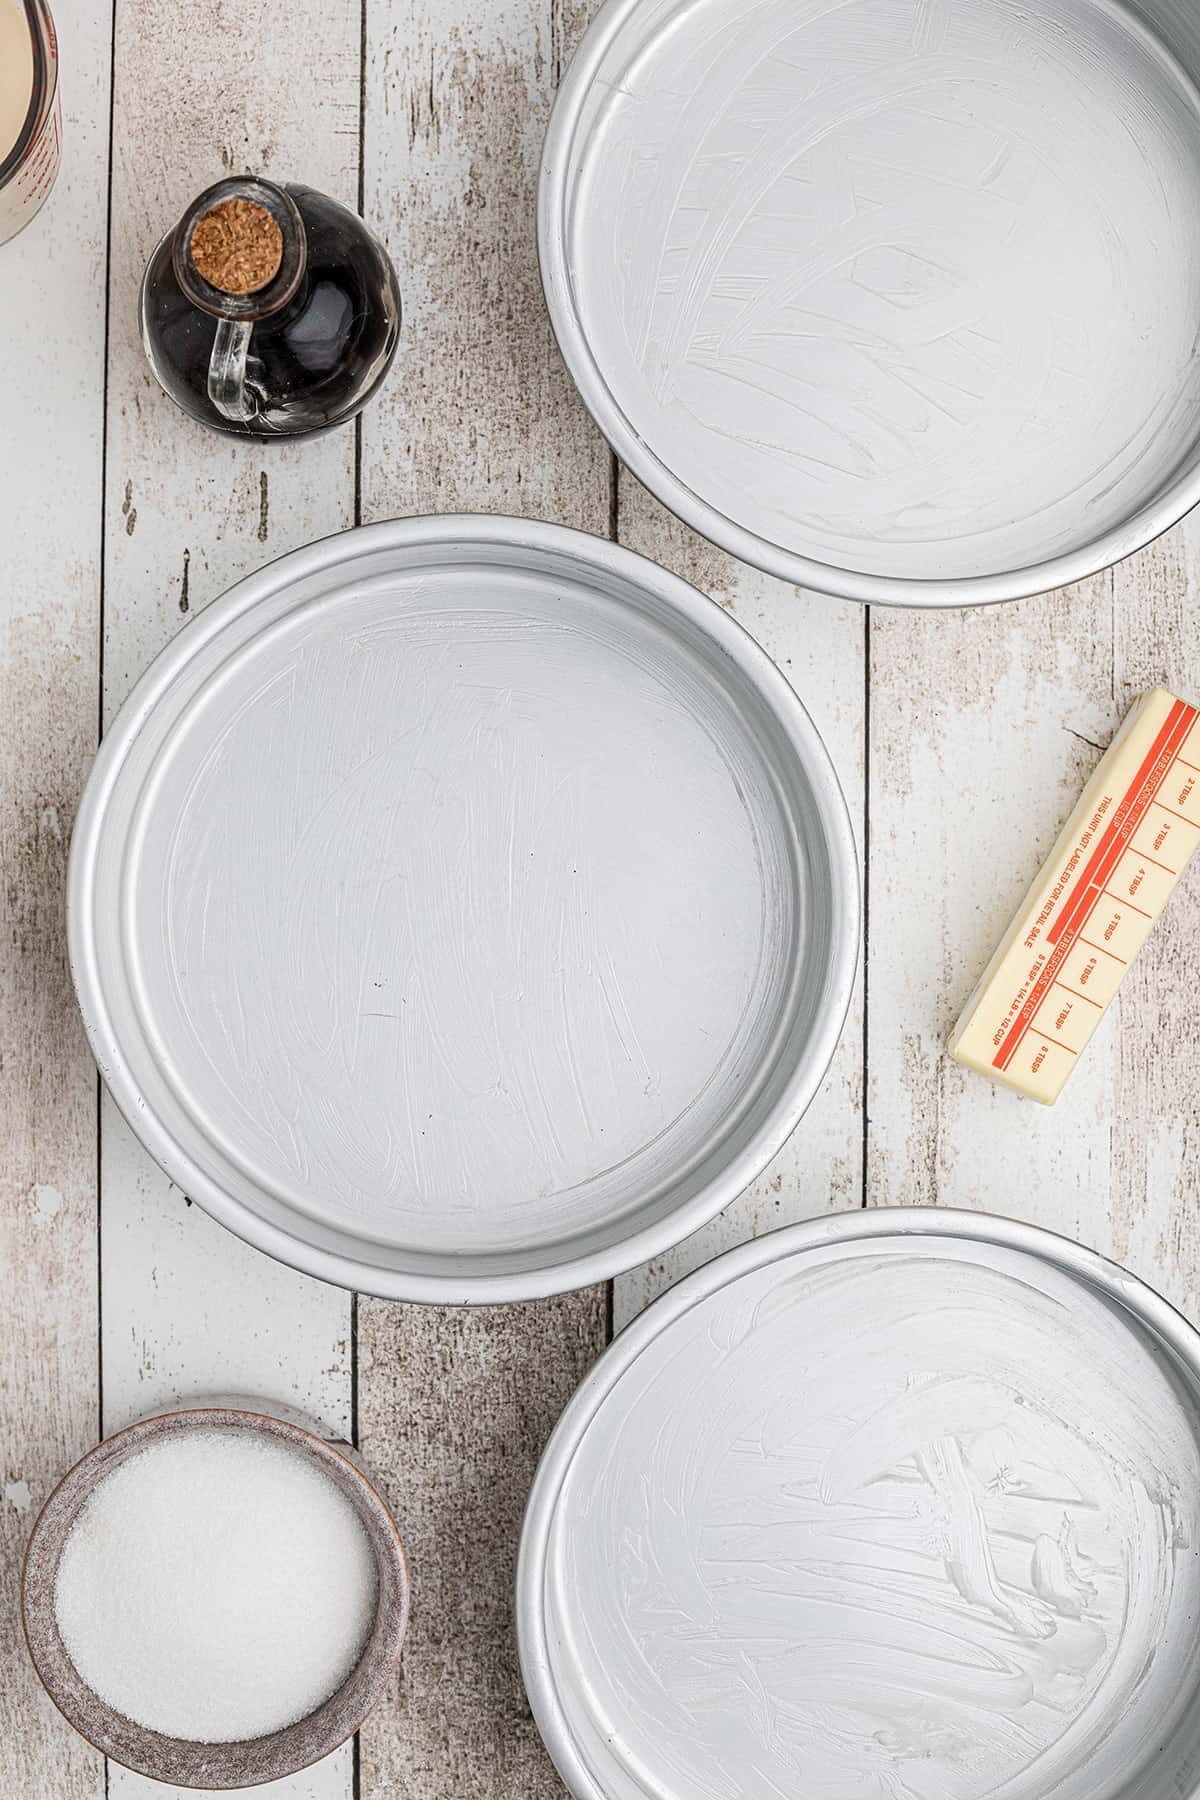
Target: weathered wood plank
(819,645)
(187,1309)
(984,728)
(478,414)
(455,1407)
(52,332)
(189,1312)
(1154,1222)
(332,1779)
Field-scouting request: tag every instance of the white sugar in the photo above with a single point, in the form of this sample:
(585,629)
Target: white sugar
(216,1587)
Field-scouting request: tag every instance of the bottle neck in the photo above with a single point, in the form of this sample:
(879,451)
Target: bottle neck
(240,250)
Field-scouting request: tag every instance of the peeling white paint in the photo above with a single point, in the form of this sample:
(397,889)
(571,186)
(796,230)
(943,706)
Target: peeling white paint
(47,1201)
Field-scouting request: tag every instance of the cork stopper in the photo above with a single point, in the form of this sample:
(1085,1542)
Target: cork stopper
(237,247)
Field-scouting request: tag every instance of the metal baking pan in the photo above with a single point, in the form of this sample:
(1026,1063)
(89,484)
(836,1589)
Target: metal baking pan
(899,1504)
(463,909)
(893,299)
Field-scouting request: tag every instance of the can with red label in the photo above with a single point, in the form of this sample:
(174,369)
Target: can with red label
(30,114)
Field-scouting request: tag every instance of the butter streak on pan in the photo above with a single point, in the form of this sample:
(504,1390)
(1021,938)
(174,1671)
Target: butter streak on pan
(904,1526)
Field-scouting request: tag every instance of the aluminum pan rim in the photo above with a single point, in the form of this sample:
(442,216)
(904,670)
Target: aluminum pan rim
(1108,1278)
(573,1271)
(1165,510)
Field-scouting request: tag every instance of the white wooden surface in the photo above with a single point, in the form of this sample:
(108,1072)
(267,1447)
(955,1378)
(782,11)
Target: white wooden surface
(961,740)
(51,445)
(186,1309)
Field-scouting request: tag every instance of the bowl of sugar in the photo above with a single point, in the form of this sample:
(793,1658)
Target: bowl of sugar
(215,1597)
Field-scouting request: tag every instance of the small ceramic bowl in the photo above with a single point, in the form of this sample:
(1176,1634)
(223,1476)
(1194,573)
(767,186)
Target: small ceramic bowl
(179,1761)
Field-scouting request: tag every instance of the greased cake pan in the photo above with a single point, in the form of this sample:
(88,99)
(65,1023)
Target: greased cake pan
(463,909)
(895,299)
(900,1505)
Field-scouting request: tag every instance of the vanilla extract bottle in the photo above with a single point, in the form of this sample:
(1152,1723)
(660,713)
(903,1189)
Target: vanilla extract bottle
(270,310)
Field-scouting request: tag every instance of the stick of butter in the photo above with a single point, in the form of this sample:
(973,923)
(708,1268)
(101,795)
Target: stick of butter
(1092,907)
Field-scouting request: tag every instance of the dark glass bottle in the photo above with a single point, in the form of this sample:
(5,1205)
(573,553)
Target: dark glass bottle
(300,353)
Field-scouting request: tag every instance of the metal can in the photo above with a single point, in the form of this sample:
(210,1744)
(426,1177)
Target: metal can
(30,157)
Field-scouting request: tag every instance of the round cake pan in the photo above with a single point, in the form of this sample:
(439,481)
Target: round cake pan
(899,1505)
(179,1761)
(463,909)
(894,299)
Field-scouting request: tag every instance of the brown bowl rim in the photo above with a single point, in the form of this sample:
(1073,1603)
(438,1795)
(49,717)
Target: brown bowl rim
(383,1646)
